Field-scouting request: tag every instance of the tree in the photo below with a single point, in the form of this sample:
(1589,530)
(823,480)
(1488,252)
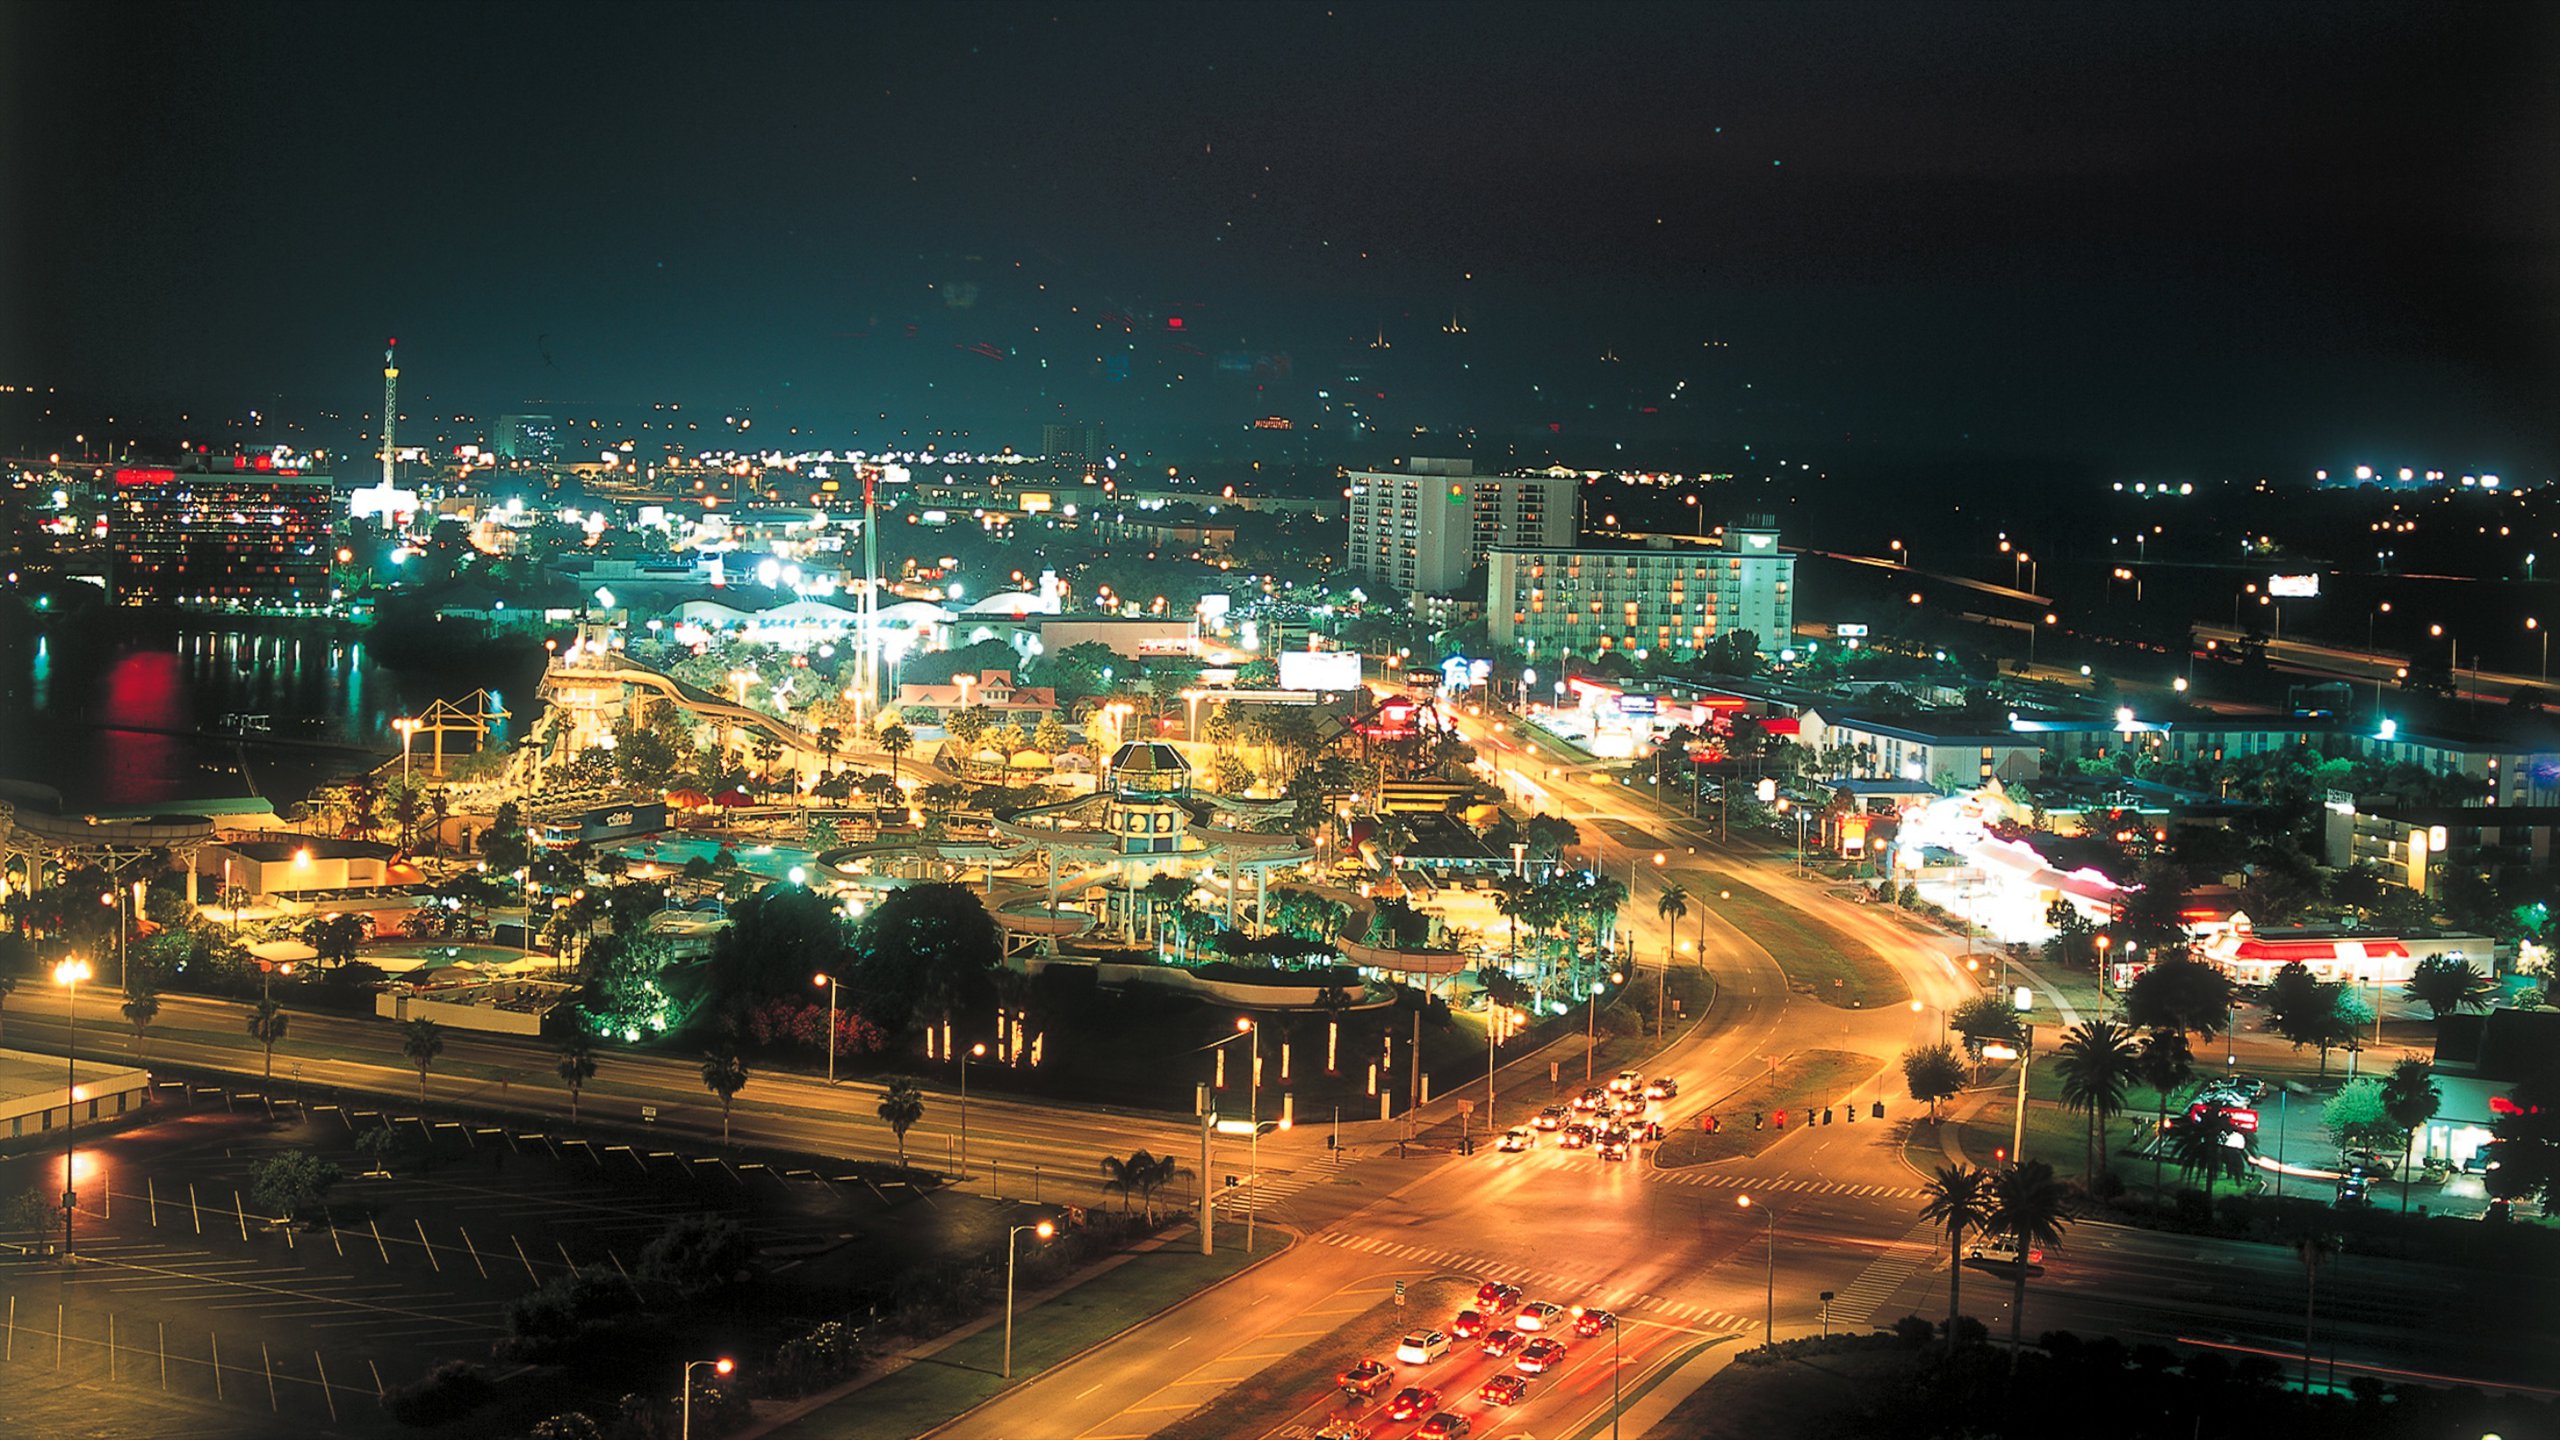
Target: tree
(1987,1017)
(2307,1010)
(1673,907)
(2026,1206)
(2211,1143)
(141,1007)
(334,938)
(422,1041)
(2357,1119)
(377,1145)
(267,1025)
(902,1105)
(2185,995)
(724,1075)
(288,1183)
(830,743)
(2448,985)
(2411,1099)
(897,739)
(1933,1073)
(2163,1064)
(2096,1063)
(577,1067)
(922,954)
(1958,1199)
(1050,735)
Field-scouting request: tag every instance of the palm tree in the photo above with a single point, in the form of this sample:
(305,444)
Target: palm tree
(422,1041)
(829,740)
(1673,907)
(141,1007)
(577,1067)
(2163,1065)
(897,739)
(1122,1175)
(1151,1173)
(2211,1142)
(902,1106)
(1959,1198)
(267,1024)
(2096,1063)
(2410,1098)
(2026,1206)
(724,1075)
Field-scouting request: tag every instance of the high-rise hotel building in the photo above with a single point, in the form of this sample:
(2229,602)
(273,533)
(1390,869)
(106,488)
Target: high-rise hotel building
(225,530)
(1425,528)
(1673,597)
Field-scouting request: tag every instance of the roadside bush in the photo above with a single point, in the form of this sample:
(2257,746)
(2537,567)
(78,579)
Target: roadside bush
(570,1425)
(698,1253)
(445,1394)
(563,1310)
(815,1360)
(1912,1332)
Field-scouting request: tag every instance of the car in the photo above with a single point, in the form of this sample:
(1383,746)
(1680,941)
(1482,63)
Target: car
(1504,1390)
(1613,1146)
(1411,1401)
(1630,1106)
(1645,1132)
(1662,1087)
(1539,1356)
(1468,1325)
(1341,1428)
(1626,1082)
(1366,1378)
(1539,1315)
(1501,1341)
(1552,1118)
(1495,1298)
(1575,1137)
(1593,1322)
(1422,1347)
(2356,1186)
(1592,1098)
(1515,1141)
(2380,1165)
(1445,1426)
(2002,1252)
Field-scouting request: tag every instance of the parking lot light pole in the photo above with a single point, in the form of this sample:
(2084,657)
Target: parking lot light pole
(721,1366)
(1044,1230)
(69,974)
(966,1056)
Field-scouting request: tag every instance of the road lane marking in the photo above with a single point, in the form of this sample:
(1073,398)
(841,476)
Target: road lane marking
(1089,1389)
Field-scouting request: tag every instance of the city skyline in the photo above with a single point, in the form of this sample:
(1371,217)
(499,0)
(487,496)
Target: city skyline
(2186,238)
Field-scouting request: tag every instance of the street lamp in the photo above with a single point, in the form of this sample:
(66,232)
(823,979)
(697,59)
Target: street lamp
(1578,1313)
(1769,1327)
(1253,1116)
(2535,624)
(1593,1026)
(1044,1230)
(69,974)
(972,1053)
(1918,1006)
(830,982)
(721,1366)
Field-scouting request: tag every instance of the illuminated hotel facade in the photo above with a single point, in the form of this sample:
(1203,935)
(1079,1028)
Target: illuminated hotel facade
(231,531)
(1669,598)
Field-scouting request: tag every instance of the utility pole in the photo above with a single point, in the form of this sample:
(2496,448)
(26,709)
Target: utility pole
(390,410)
(1207,1107)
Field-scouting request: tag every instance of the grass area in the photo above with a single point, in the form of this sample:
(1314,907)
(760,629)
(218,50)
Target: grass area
(1660,1373)
(1803,1083)
(933,1390)
(1287,1384)
(1821,961)
(1810,1395)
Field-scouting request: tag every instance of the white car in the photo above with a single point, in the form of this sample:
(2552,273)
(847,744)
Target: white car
(1518,1140)
(1538,1315)
(1422,1347)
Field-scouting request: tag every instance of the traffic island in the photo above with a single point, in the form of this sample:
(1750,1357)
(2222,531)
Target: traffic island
(1793,1094)
(1821,961)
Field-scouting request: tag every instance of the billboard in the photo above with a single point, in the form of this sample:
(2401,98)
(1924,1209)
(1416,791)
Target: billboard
(2294,587)
(1320,670)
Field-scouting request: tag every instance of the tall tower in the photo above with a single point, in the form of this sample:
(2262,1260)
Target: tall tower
(390,407)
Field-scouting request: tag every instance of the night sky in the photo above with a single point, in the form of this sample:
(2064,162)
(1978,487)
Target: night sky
(2164,235)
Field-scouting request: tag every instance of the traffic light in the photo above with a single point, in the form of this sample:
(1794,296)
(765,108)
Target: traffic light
(1759,1121)
(1878,1112)
(1826,1114)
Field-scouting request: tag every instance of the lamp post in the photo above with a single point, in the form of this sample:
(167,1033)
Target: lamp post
(1044,1229)
(408,729)
(1917,1006)
(972,1053)
(1253,1117)
(1769,1326)
(69,974)
(1593,1023)
(832,986)
(1578,1313)
(721,1366)
(2534,623)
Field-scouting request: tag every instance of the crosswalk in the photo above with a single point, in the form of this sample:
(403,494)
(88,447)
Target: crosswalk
(1789,1185)
(1878,1283)
(1579,1287)
(1258,1195)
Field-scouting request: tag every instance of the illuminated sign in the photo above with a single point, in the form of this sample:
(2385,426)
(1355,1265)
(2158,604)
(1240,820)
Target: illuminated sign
(1325,670)
(2294,587)
(145,477)
(1636,705)
(1850,632)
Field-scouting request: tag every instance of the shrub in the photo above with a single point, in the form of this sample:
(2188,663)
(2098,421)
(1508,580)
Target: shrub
(1913,1333)
(571,1425)
(817,1359)
(564,1308)
(446,1393)
(698,1252)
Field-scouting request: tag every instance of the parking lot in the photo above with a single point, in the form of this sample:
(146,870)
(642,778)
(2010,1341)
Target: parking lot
(181,1289)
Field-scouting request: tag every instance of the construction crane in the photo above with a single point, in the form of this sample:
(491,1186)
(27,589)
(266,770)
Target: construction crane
(390,407)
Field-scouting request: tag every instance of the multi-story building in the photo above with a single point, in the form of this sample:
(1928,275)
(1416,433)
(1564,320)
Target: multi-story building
(1425,528)
(526,437)
(1071,444)
(227,530)
(1674,597)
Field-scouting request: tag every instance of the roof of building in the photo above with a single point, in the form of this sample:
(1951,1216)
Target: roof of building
(1918,729)
(1144,757)
(322,847)
(992,688)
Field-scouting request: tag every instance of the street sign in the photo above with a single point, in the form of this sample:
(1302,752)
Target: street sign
(1399,1294)
(649,1113)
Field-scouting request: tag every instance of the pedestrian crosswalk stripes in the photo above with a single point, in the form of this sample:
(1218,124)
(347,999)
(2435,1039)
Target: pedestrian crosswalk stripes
(1876,1284)
(1798,1185)
(1581,1286)
(1259,1195)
